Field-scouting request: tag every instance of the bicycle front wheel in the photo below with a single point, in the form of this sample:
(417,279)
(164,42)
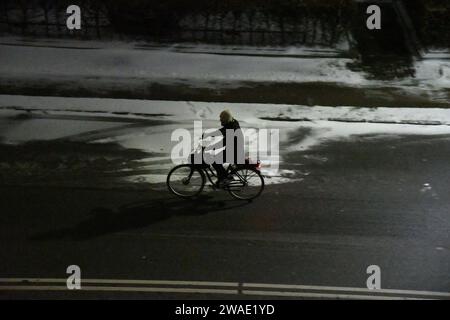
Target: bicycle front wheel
(186,181)
(247,184)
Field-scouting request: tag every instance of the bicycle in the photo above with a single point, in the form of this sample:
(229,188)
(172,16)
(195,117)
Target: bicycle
(188,180)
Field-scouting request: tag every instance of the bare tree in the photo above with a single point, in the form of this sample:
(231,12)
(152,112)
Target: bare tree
(5,9)
(23,6)
(46,6)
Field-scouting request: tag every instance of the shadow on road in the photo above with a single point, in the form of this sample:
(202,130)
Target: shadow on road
(104,221)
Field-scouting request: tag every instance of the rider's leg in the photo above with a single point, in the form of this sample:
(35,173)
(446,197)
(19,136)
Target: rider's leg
(221,172)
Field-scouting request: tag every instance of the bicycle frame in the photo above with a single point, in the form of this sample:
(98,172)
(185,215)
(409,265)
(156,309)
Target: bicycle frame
(210,174)
(208,171)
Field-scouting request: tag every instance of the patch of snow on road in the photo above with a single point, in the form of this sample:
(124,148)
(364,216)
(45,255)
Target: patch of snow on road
(91,120)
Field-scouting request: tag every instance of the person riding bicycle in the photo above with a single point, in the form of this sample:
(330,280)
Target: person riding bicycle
(233,146)
(242,179)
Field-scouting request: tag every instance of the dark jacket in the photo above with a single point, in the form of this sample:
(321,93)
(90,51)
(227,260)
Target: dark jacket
(238,142)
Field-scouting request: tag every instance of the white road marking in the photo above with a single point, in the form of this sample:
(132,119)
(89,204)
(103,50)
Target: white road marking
(175,286)
(205,291)
(118,289)
(324,295)
(124,281)
(351,289)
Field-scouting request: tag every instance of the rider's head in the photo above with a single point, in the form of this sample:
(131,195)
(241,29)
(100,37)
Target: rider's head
(225,117)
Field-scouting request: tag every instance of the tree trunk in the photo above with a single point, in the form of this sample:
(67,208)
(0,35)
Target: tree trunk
(314,31)
(24,9)
(304,28)
(250,23)
(281,23)
(58,27)
(97,21)
(47,31)
(205,30)
(222,16)
(6,14)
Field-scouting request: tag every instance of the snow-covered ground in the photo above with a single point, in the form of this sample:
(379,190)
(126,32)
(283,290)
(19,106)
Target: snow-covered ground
(253,113)
(434,71)
(148,125)
(199,65)
(166,65)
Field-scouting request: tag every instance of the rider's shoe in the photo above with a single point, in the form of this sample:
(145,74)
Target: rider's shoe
(224,182)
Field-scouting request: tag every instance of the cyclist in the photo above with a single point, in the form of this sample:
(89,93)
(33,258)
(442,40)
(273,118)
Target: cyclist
(232,129)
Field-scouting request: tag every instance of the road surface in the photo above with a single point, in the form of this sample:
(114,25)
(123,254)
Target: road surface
(370,200)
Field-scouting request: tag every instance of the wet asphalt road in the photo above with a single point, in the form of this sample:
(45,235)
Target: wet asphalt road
(366,201)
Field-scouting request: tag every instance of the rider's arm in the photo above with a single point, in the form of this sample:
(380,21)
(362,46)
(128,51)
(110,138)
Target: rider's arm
(214,133)
(219,144)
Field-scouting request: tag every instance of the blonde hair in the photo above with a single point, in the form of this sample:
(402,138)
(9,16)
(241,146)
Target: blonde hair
(226,115)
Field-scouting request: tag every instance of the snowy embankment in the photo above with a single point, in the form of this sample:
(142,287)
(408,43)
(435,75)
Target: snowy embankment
(200,64)
(87,114)
(197,65)
(148,125)
(433,71)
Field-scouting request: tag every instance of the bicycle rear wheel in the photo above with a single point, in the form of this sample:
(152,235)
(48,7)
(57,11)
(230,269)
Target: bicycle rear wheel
(186,181)
(247,184)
